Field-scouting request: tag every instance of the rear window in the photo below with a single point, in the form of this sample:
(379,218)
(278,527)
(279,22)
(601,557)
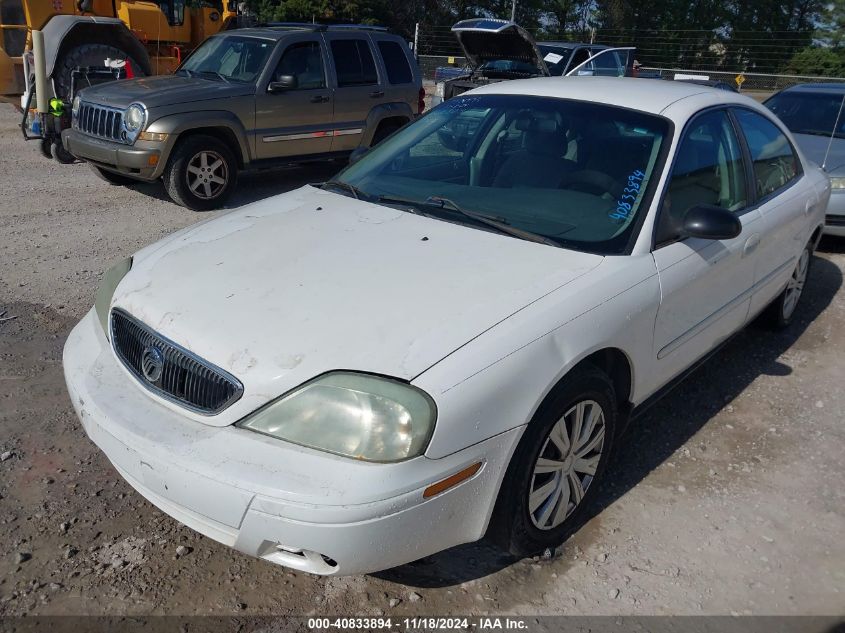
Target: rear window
(396,63)
(354,63)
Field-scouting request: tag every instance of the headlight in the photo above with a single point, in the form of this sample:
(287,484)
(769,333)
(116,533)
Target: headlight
(102,300)
(134,119)
(440,89)
(74,108)
(837,184)
(355,415)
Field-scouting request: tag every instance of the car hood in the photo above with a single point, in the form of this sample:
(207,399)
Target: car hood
(163,90)
(815,148)
(311,281)
(484,40)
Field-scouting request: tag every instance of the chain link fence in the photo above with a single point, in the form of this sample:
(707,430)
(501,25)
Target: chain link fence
(662,54)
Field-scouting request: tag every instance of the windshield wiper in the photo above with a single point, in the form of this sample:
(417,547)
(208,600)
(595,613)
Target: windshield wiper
(186,71)
(356,193)
(215,74)
(499,224)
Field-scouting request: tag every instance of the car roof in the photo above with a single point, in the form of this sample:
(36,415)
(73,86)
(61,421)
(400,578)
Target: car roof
(559,44)
(276,31)
(819,87)
(647,95)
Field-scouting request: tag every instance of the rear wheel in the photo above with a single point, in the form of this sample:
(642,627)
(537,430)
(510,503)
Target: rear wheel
(561,457)
(384,130)
(780,312)
(111,177)
(201,173)
(88,55)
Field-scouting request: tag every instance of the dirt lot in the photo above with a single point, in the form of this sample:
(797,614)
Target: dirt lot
(728,497)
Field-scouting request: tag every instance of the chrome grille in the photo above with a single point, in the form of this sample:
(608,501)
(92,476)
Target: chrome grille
(100,121)
(170,370)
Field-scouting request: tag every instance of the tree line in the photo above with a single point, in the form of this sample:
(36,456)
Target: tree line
(793,36)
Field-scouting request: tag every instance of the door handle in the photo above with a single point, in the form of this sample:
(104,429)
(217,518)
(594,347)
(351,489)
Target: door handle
(808,206)
(375,94)
(751,244)
(319,99)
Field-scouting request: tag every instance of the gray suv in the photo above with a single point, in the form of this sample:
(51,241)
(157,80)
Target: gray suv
(247,99)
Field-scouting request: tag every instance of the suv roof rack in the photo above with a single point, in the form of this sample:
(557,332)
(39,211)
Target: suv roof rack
(321,27)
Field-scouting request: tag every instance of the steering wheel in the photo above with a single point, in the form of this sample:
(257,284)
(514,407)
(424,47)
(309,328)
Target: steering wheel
(590,181)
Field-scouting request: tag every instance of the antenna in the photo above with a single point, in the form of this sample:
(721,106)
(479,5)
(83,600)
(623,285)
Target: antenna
(833,132)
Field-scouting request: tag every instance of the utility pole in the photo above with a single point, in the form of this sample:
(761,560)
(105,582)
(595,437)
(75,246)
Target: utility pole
(513,11)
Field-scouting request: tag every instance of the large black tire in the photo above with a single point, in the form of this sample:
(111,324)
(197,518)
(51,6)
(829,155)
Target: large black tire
(87,55)
(780,313)
(188,153)
(514,525)
(111,177)
(384,130)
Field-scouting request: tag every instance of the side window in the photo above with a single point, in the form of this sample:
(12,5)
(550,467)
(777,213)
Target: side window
(304,61)
(395,62)
(775,162)
(708,170)
(354,63)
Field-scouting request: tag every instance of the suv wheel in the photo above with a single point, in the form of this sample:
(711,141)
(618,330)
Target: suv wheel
(383,131)
(555,470)
(201,173)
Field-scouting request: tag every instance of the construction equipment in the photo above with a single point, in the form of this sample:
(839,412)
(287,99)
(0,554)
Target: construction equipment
(48,48)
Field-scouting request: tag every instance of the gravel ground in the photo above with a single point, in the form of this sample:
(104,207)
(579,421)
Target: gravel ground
(727,497)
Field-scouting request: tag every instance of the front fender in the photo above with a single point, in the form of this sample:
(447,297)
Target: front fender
(176,125)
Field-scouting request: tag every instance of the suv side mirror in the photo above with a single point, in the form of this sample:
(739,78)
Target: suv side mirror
(285,82)
(710,222)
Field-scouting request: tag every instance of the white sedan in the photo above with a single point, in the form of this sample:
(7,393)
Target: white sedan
(448,339)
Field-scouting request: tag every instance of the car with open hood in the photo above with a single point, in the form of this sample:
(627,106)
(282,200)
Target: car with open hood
(815,113)
(499,50)
(445,341)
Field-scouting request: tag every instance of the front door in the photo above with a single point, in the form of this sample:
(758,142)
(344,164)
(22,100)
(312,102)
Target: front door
(705,284)
(295,121)
(359,87)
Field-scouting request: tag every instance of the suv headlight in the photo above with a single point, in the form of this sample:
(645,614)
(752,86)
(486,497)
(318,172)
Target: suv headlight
(365,417)
(74,108)
(102,300)
(134,119)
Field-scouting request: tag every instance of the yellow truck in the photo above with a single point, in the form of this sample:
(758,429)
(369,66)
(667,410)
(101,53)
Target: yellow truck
(150,36)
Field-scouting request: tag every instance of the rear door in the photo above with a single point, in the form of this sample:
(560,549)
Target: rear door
(705,284)
(785,201)
(358,86)
(297,121)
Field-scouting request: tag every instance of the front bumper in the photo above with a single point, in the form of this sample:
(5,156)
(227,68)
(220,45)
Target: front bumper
(289,505)
(834,220)
(135,161)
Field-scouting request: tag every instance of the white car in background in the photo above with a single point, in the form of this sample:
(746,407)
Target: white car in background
(448,339)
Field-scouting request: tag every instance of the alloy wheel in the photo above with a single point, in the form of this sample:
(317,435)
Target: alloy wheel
(207,174)
(795,286)
(566,465)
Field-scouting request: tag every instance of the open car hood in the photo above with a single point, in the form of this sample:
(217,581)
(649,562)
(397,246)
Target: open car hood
(486,39)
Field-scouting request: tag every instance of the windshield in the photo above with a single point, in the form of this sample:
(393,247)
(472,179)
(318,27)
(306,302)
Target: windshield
(809,112)
(228,58)
(577,173)
(555,57)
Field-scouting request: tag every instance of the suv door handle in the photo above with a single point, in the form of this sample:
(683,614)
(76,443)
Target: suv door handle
(375,94)
(319,99)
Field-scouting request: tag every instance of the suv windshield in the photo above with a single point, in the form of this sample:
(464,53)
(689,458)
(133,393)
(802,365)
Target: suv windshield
(228,58)
(809,112)
(577,173)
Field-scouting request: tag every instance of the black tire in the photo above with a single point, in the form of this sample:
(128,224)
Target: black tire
(780,312)
(512,526)
(384,130)
(111,177)
(88,55)
(60,154)
(176,174)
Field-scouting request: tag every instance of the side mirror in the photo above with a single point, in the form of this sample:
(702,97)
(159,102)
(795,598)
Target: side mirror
(284,83)
(357,154)
(710,222)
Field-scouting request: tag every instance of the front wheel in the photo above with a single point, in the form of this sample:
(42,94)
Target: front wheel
(781,311)
(557,465)
(201,173)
